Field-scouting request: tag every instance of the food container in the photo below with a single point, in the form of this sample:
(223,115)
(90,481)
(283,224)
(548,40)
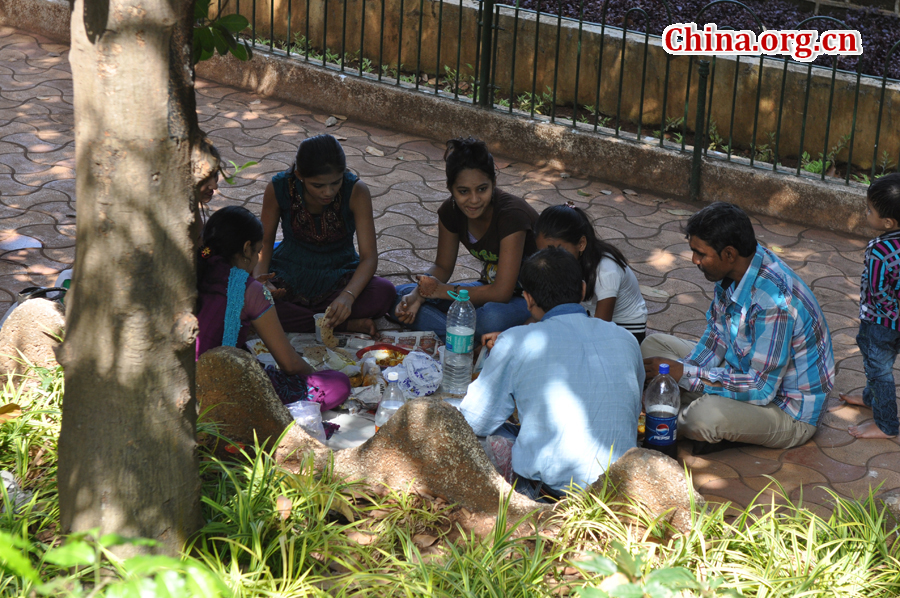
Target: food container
(385,355)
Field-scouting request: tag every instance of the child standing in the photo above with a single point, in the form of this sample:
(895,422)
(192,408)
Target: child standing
(613,293)
(879,311)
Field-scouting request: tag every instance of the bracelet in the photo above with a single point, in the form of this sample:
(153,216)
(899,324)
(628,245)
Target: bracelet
(349,293)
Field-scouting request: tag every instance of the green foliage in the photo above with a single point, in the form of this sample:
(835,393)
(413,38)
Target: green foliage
(814,166)
(217,35)
(626,577)
(274,532)
(765,152)
(716,141)
(238,169)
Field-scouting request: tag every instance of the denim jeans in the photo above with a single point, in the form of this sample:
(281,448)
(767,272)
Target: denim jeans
(879,346)
(532,489)
(490,317)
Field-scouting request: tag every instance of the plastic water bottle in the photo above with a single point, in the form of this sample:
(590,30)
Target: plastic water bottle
(391,401)
(662,401)
(457,363)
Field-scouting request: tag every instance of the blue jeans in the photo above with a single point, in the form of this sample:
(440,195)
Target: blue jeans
(490,317)
(879,346)
(529,488)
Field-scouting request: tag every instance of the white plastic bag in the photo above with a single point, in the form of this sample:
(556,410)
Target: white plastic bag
(420,374)
(308,415)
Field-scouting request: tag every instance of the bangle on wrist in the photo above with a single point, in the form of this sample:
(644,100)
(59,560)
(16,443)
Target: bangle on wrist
(349,293)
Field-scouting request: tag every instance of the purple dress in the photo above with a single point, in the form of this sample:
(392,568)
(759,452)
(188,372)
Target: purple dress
(328,388)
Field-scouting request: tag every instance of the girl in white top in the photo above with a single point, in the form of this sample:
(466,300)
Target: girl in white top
(613,293)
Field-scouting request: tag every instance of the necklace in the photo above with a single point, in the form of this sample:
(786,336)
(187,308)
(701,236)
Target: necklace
(331,226)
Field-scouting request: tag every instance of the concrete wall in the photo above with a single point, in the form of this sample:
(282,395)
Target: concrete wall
(525,41)
(627,163)
(637,165)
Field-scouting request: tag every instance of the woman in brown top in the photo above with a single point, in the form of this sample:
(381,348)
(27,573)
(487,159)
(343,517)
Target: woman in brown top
(494,226)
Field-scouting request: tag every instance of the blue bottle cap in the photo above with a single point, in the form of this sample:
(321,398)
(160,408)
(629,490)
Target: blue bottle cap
(664,368)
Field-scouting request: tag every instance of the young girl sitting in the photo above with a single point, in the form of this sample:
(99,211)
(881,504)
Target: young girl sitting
(613,293)
(495,227)
(232,302)
(321,205)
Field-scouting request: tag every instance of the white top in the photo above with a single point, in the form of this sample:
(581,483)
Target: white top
(612,281)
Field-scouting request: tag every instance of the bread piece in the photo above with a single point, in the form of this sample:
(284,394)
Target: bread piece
(328,333)
(317,353)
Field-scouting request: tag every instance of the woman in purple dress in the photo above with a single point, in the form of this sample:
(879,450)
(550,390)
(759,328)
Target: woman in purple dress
(232,302)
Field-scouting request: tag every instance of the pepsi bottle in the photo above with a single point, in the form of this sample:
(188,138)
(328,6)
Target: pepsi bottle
(662,401)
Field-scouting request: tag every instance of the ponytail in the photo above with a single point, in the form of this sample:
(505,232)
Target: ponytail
(225,234)
(569,223)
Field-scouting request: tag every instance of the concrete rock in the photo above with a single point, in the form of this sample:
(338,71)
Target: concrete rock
(428,447)
(31,328)
(890,499)
(655,481)
(241,397)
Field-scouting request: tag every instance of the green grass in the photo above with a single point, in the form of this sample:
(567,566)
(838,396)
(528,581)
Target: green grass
(270,532)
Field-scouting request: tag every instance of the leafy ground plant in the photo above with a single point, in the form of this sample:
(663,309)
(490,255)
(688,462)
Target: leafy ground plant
(273,532)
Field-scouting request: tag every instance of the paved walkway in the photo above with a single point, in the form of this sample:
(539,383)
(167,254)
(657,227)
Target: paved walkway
(405,175)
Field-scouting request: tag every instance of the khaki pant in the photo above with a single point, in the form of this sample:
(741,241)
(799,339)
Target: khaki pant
(714,418)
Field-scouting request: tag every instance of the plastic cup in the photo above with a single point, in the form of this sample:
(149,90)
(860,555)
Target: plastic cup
(320,319)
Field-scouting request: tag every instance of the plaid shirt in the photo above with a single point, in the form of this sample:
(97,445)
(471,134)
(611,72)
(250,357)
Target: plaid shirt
(880,281)
(766,341)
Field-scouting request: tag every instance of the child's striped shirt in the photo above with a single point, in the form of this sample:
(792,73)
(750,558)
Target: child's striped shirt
(879,286)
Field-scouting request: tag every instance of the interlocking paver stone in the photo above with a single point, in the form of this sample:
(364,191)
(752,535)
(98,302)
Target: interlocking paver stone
(37,201)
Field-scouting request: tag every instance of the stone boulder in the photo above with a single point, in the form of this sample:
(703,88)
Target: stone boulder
(655,481)
(232,385)
(890,501)
(428,447)
(32,329)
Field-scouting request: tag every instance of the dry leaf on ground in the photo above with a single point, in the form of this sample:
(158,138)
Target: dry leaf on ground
(330,121)
(283,506)
(9,412)
(423,540)
(374,151)
(680,212)
(655,293)
(362,538)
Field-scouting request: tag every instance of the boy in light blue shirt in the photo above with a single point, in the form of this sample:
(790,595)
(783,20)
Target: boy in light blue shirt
(575,380)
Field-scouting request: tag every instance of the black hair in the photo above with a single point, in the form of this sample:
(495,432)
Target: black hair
(884,193)
(467,152)
(552,277)
(321,154)
(225,234)
(568,223)
(211,156)
(722,225)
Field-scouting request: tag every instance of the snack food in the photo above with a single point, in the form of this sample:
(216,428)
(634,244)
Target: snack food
(316,354)
(385,355)
(328,333)
(362,380)
(388,357)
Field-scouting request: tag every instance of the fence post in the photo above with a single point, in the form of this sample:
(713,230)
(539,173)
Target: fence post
(487,30)
(699,131)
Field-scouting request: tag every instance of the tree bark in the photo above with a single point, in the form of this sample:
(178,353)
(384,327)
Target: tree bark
(127,451)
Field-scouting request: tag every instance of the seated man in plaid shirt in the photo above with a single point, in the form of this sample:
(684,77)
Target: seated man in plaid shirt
(764,366)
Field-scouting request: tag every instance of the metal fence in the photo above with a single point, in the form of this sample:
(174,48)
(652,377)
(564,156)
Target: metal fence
(609,80)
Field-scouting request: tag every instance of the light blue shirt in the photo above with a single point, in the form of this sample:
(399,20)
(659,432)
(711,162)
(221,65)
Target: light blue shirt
(576,382)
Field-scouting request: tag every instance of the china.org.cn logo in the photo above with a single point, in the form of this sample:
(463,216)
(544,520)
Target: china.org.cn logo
(801,45)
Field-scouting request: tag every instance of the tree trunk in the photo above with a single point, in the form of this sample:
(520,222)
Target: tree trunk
(127,451)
